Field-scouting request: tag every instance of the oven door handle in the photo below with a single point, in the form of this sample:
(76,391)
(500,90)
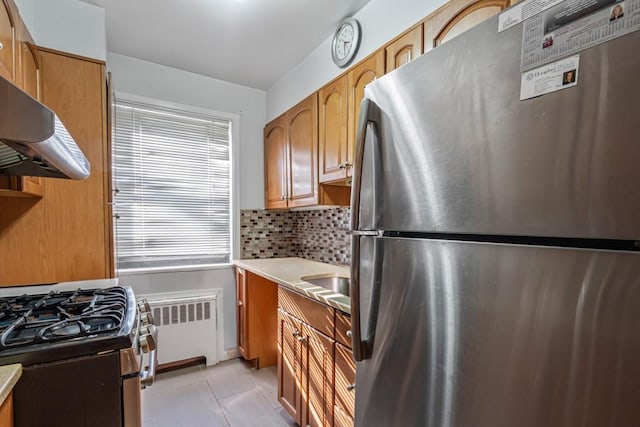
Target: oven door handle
(148,376)
(149,345)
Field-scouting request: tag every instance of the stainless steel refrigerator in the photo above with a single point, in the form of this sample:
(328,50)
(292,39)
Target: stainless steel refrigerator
(495,270)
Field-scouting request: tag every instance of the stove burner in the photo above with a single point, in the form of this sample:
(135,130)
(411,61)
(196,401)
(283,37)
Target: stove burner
(34,319)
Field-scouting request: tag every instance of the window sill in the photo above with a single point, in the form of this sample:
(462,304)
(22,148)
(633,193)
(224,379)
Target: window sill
(175,269)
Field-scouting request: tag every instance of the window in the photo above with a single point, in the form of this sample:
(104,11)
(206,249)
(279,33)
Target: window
(172,181)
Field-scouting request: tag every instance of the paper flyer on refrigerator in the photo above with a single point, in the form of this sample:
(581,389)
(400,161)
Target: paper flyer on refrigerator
(576,25)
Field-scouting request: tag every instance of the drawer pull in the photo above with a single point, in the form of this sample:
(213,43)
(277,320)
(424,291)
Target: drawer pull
(301,339)
(296,333)
(348,333)
(351,387)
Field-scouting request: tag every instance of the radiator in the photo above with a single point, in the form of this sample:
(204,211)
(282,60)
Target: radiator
(189,325)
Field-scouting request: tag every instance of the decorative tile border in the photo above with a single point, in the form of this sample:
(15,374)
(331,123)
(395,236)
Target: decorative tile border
(317,235)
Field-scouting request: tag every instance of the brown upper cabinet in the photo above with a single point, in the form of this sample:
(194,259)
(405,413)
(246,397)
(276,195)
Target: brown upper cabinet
(357,79)
(7,29)
(27,75)
(333,130)
(19,63)
(276,163)
(69,228)
(405,48)
(456,17)
(27,64)
(291,147)
(338,117)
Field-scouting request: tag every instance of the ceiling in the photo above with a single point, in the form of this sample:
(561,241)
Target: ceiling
(249,42)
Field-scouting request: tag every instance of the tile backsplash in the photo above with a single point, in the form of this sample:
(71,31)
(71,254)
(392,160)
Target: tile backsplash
(317,235)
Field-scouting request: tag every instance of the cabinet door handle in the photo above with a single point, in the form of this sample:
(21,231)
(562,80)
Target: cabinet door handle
(351,387)
(347,165)
(301,339)
(240,303)
(296,333)
(348,333)
(342,165)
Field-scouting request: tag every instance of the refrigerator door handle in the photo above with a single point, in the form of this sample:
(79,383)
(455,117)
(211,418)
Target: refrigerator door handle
(368,119)
(356,329)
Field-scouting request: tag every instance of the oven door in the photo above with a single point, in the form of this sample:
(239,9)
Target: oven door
(83,391)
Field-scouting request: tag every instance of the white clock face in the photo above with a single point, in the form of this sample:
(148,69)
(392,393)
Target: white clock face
(345,42)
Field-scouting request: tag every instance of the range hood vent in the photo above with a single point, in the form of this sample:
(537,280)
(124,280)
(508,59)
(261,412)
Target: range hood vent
(33,141)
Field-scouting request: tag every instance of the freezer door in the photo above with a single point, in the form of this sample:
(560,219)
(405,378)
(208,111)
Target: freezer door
(488,335)
(460,153)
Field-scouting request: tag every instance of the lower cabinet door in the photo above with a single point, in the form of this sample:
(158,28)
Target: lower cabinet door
(6,411)
(290,365)
(345,377)
(241,313)
(317,378)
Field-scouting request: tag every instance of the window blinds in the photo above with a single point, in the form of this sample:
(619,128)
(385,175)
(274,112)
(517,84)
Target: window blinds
(172,183)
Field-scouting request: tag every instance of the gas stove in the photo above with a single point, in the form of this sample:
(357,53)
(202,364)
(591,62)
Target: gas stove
(86,354)
(59,325)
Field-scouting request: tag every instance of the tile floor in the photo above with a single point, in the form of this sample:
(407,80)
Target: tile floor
(231,393)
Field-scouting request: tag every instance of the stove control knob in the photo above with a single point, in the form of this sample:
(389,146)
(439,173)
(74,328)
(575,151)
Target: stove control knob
(146,318)
(149,330)
(143,306)
(147,343)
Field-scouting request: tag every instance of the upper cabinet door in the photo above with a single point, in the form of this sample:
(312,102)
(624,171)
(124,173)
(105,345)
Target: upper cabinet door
(26,61)
(302,131)
(404,49)
(456,17)
(6,42)
(275,164)
(357,79)
(333,130)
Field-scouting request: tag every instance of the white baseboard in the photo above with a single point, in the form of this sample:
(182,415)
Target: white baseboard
(231,353)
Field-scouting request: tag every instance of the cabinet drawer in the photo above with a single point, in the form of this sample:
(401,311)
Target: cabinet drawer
(343,328)
(315,314)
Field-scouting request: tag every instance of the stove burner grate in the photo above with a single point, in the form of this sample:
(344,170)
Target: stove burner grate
(34,319)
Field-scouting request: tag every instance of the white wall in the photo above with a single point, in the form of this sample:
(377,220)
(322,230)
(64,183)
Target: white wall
(380,20)
(67,25)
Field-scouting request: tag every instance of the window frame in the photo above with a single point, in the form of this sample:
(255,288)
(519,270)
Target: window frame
(234,190)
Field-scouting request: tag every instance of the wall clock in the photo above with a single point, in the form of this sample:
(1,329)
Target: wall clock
(346,41)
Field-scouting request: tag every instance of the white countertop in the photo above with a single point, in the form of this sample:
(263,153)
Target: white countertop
(288,272)
(11,291)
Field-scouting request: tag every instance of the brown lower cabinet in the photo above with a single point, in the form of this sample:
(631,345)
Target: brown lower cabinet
(6,412)
(256,318)
(305,372)
(345,381)
(313,369)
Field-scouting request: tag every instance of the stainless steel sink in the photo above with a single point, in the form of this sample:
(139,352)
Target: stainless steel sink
(333,282)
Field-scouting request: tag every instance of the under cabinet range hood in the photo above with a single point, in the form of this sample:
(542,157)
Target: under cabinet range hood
(33,141)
